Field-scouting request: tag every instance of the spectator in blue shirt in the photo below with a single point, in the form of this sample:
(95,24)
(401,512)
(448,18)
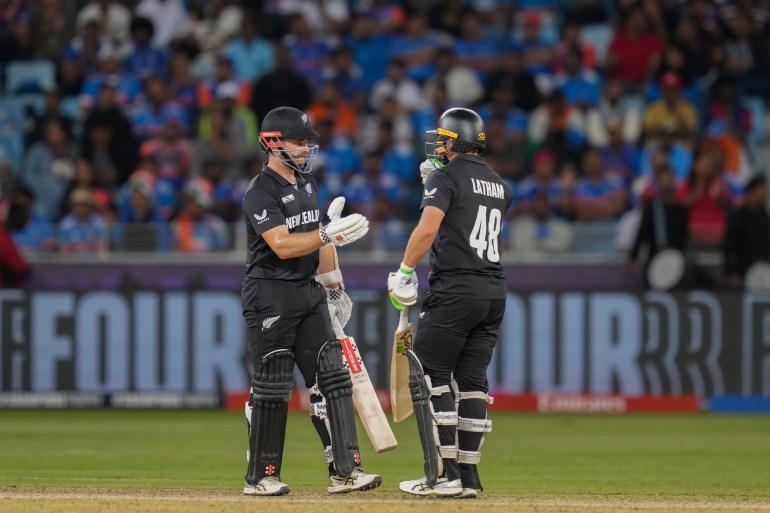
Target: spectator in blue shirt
(502,102)
(127,87)
(597,195)
(398,159)
(48,168)
(162,195)
(374,181)
(388,232)
(544,180)
(140,227)
(621,159)
(337,158)
(222,204)
(473,48)
(144,60)
(183,85)
(307,53)
(80,58)
(83,230)
(416,46)
(679,155)
(387,16)
(581,86)
(157,111)
(252,56)
(370,50)
(536,51)
(346,75)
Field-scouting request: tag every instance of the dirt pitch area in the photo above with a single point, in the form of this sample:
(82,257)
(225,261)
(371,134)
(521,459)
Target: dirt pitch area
(62,500)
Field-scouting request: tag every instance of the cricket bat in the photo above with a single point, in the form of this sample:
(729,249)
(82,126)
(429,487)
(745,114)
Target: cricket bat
(400,398)
(364,397)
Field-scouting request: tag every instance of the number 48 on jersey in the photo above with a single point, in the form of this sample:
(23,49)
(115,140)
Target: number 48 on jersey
(485,234)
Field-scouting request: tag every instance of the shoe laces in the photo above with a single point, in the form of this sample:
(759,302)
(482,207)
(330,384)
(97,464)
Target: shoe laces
(350,480)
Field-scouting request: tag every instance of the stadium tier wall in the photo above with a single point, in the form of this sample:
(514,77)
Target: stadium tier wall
(575,338)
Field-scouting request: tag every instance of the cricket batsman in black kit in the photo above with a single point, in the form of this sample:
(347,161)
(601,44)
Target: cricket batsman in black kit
(291,288)
(463,205)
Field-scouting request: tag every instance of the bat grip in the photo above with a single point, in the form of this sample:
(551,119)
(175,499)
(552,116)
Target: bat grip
(338,331)
(403,318)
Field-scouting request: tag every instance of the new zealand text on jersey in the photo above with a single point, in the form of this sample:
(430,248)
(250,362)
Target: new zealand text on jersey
(488,188)
(308,216)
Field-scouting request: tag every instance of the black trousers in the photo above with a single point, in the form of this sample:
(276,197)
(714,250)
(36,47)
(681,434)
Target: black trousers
(291,315)
(457,335)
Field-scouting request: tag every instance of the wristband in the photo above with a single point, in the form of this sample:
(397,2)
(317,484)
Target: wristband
(322,233)
(406,269)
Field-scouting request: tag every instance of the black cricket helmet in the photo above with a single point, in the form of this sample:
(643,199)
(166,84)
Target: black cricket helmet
(288,123)
(463,127)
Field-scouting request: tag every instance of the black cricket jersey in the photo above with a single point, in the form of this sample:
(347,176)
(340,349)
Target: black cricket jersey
(271,200)
(465,256)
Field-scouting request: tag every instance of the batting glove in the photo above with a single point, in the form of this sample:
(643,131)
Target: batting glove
(341,231)
(402,287)
(340,305)
(427,167)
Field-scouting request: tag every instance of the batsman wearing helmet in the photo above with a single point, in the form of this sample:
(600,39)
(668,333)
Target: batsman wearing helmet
(291,289)
(463,205)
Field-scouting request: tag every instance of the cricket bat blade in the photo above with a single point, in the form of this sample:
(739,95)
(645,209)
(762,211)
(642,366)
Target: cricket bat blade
(400,397)
(364,396)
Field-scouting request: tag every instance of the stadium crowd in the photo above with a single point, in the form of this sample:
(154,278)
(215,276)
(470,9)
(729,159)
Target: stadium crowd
(133,125)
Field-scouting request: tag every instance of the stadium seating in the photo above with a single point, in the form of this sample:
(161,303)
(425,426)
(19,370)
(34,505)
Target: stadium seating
(31,102)
(25,77)
(11,149)
(11,128)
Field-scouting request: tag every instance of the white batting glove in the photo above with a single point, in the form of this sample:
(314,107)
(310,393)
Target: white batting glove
(402,287)
(427,166)
(341,231)
(340,305)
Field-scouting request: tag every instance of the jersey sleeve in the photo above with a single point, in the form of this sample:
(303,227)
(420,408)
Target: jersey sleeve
(263,209)
(440,190)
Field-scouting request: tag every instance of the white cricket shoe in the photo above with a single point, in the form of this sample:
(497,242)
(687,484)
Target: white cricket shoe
(467,493)
(443,487)
(357,481)
(270,485)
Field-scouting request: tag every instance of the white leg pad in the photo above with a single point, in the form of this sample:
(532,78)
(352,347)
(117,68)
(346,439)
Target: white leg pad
(474,425)
(447,451)
(472,457)
(459,396)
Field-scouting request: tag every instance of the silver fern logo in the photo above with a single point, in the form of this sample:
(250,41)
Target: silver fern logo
(268,322)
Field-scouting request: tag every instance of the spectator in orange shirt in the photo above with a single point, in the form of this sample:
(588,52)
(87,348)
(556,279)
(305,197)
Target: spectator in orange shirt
(330,107)
(196,229)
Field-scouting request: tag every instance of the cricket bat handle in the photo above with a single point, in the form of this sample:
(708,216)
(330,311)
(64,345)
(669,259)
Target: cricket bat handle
(338,331)
(403,318)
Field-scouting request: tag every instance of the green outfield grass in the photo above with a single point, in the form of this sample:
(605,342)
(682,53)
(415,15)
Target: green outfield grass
(526,455)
